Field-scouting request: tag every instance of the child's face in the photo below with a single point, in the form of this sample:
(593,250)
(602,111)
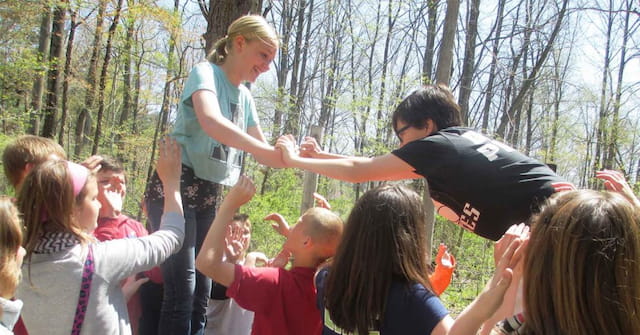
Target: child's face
(297,236)
(86,212)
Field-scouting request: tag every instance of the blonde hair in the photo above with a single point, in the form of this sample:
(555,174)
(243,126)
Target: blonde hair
(47,201)
(10,242)
(251,27)
(324,227)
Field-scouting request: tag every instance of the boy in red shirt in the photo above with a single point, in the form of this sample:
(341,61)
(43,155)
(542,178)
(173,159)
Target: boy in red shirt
(143,297)
(284,301)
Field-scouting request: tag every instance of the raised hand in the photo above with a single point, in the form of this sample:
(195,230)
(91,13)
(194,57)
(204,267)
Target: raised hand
(321,201)
(616,182)
(280,224)
(240,193)
(169,166)
(441,276)
(516,231)
(115,199)
(236,242)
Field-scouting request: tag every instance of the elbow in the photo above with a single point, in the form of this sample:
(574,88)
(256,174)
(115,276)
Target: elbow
(205,266)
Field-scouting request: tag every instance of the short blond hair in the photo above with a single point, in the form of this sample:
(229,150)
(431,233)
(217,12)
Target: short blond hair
(324,227)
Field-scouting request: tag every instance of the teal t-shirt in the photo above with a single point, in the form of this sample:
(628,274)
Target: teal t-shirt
(210,159)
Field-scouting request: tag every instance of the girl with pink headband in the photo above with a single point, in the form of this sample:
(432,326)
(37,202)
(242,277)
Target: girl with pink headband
(72,283)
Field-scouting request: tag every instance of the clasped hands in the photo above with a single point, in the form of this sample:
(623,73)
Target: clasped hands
(309,148)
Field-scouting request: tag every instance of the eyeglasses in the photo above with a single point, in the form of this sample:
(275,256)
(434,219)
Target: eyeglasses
(402,130)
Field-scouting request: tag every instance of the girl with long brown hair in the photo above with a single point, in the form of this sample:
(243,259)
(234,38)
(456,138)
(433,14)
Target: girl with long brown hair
(378,281)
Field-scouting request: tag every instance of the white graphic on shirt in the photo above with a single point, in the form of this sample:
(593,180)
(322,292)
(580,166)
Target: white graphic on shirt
(469,217)
(489,147)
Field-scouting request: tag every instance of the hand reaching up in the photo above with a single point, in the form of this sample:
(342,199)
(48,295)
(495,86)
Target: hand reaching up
(321,201)
(280,224)
(441,276)
(615,181)
(516,231)
(240,193)
(169,166)
(237,243)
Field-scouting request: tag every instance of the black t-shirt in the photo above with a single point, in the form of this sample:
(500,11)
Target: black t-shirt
(488,184)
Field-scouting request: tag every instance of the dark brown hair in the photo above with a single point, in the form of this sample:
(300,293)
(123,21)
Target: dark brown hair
(430,102)
(384,240)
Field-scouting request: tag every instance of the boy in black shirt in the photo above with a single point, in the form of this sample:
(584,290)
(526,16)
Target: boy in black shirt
(481,184)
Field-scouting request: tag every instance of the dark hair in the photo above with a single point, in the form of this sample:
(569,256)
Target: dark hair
(581,269)
(384,241)
(240,217)
(110,164)
(430,102)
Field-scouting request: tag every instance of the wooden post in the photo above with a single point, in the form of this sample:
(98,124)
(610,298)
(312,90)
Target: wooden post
(431,217)
(310,180)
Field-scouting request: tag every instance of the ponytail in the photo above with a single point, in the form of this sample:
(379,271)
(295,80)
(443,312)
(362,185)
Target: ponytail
(219,52)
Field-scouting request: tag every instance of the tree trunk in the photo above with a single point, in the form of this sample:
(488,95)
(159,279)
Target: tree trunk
(38,83)
(169,77)
(494,66)
(221,13)
(445,56)
(67,75)
(469,60)
(610,158)
(53,75)
(103,78)
(126,86)
(432,25)
(82,131)
(528,82)
(602,132)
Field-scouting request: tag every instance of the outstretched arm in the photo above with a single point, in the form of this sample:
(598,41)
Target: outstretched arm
(471,319)
(351,169)
(210,118)
(210,258)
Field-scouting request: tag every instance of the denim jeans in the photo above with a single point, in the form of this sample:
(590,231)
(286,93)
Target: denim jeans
(186,290)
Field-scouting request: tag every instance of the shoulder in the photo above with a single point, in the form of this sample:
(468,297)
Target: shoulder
(415,298)
(264,275)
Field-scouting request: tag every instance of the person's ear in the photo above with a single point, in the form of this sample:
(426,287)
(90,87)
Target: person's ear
(307,242)
(239,43)
(430,125)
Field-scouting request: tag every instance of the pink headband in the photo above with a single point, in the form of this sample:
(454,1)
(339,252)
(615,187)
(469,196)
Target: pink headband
(79,175)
